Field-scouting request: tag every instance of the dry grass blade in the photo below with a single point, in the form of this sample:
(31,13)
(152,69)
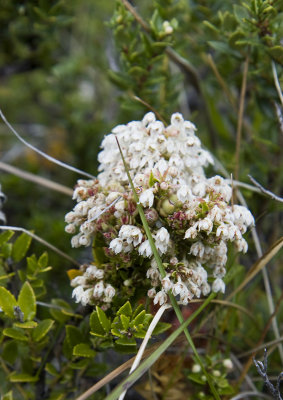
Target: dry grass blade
(36,179)
(259,265)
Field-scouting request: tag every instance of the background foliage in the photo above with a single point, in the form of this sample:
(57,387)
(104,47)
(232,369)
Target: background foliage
(71,70)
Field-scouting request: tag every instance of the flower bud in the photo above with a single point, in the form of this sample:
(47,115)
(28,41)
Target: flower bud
(151,216)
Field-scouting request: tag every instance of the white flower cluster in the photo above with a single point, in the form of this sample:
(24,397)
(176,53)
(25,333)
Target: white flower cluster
(90,287)
(190,215)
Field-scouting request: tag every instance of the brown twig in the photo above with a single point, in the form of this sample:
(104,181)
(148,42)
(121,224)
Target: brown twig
(265,191)
(240,118)
(36,179)
(147,105)
(260,341)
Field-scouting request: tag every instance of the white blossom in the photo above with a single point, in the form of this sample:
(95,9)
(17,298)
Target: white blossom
(145,249)
(147,198)
(116,245)
(160,298)
(218,286)
(162,238)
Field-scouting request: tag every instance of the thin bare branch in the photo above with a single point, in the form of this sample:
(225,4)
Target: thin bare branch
(36,179)
(240,118)
(49,158)
(265,191)
(249,362)
(244,396)
(276,82)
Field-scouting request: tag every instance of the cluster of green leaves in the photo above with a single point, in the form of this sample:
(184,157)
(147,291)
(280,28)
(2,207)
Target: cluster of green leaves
(124,329)
(39,349)
(144,69)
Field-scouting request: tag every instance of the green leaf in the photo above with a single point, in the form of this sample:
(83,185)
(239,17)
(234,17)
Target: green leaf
(125,341)
(21,247)
(26,325)
(10,352)
(7,302)
(276,52)
(139,318)
(6,250)
(5,236)
(42,329)
(95,325)
(241,13)
(15,333)
(104,321)
(43,260)
(61,315)
(161,327)
(126,309)
(140,334)
(137,310)
(51,369)
(83,350)
(196,378)
(73,335)
(125,321)
(15,377)
(7,396)
(27,301)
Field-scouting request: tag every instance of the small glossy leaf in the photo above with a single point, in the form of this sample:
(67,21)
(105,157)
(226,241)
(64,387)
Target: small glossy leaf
(43,260)
(10,352)
(15,333)
(95,325)
(104,321)
(15,377)
(125,341)
(59,315)
(126,309)
(42,329)
(161,327)
(140,334)
(7,396)
(83,350)
(116,332)
(137,310)
(125,321)
(7,302)
(80,364)
(5,236)
(139,318)
(51,369)
(26,325)
(73,335)
(27,301)
(6,250)
(21,246)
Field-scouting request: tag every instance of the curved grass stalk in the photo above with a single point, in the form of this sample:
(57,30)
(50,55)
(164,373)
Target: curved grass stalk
(163,273)
(49,158)
(276,82)
(151,328)
(40,240)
